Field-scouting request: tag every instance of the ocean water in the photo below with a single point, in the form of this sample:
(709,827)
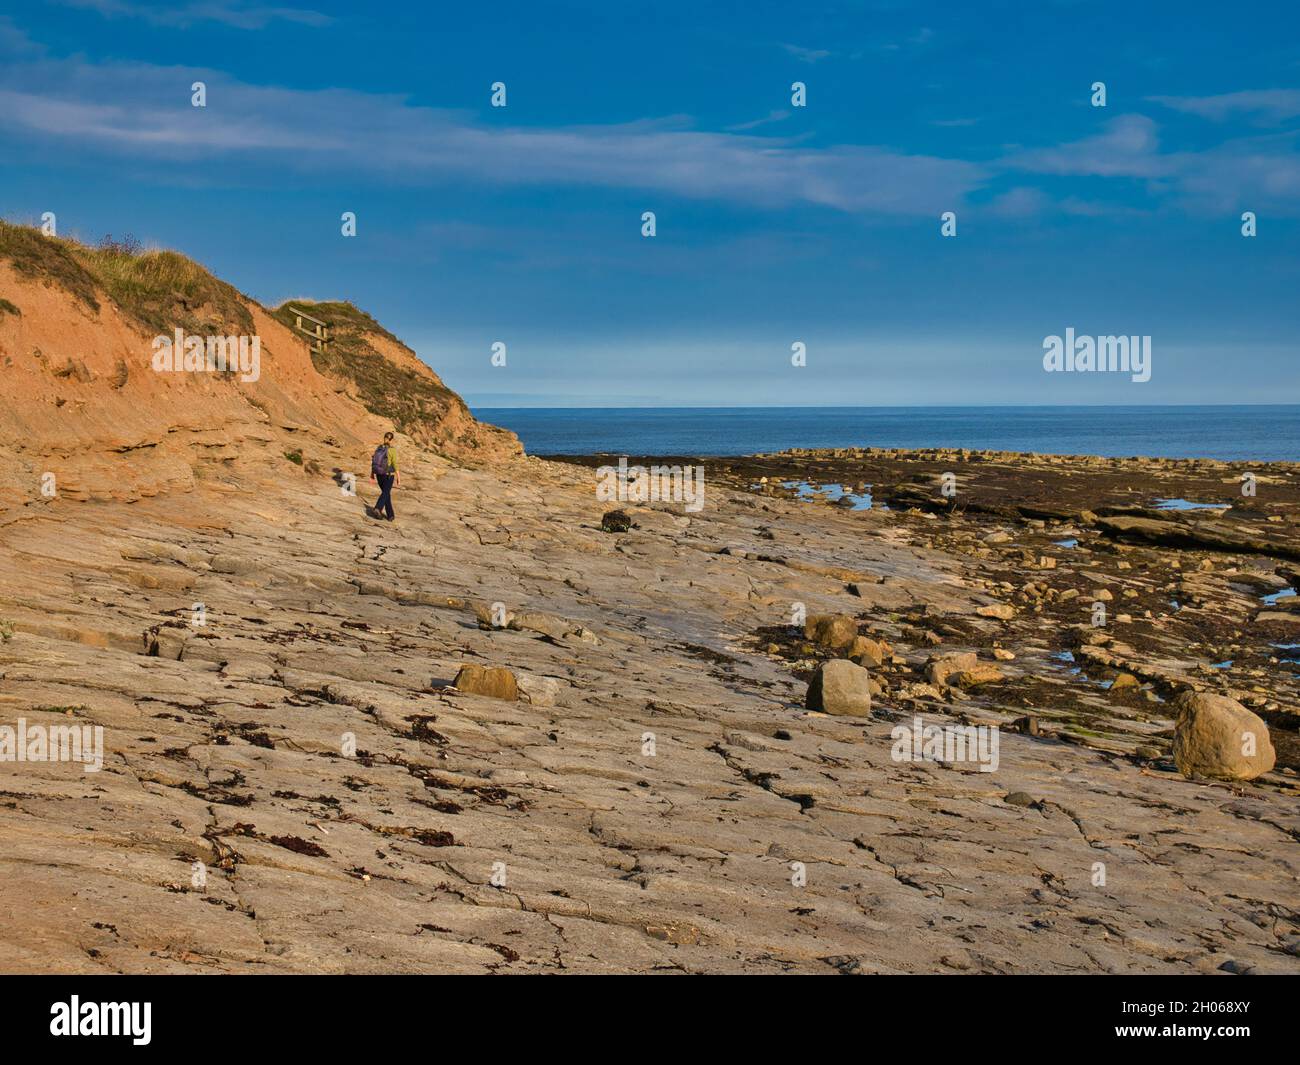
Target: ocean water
(1258,433)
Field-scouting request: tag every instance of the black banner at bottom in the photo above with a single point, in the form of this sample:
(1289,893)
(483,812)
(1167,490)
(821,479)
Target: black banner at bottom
(339,1013)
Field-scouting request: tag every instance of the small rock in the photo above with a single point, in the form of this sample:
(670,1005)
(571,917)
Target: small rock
(983,673)
(496,682)
(839,687)
(868,652)
(616,521)
(679,933)
(535,621)
(833,631)
(538,690)
(941,667)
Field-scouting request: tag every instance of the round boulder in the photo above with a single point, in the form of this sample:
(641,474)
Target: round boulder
(1215,736)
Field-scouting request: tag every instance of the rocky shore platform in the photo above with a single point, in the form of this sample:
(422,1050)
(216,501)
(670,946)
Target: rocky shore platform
(312,780)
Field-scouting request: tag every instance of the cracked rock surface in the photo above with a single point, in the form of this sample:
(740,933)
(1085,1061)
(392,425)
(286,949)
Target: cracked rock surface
(295,785)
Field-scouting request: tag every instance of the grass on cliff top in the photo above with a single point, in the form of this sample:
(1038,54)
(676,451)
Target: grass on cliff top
(159,289)
(162,290)
(414,402)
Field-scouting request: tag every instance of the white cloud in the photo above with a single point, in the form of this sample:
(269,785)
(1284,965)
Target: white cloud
(807,55)
(1128,147)
(144,111)
(235,13)
(1264,105)
(1256,172)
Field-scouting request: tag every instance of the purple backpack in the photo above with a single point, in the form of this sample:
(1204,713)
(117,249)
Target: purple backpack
(379,461)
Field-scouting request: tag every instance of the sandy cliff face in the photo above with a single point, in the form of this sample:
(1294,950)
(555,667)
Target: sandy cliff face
(83,401)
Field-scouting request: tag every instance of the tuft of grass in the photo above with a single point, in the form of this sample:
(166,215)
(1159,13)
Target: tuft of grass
(164,289)
(49,259)
(294,456)
(413,401)
(6,630)
(160,290)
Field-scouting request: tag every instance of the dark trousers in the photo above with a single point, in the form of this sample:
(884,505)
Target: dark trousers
(385,503)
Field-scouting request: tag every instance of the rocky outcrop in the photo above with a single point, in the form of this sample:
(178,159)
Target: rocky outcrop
(1205,534)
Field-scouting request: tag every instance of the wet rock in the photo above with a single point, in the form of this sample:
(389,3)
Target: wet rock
(1215,736)
(616,521)
(839,687)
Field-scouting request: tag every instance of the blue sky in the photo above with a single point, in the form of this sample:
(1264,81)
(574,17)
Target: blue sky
(776,224)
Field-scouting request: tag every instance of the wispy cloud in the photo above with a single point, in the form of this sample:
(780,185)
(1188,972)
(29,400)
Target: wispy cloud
(766,120)
(1254,172)
(15,41)
(1127,147)
(1264,106)
(807,55)
(119,108)
(234,13)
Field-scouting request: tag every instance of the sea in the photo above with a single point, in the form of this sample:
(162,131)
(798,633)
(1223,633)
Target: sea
(1234,433)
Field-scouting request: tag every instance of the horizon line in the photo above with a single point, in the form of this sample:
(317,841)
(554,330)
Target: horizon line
(892,406)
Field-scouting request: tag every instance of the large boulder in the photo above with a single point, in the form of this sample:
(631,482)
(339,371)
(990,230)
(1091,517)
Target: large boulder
(1215,736)
(833,631)
(496,682)
(841,688)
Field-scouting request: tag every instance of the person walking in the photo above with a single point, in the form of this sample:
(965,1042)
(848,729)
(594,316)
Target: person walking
(383,471)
